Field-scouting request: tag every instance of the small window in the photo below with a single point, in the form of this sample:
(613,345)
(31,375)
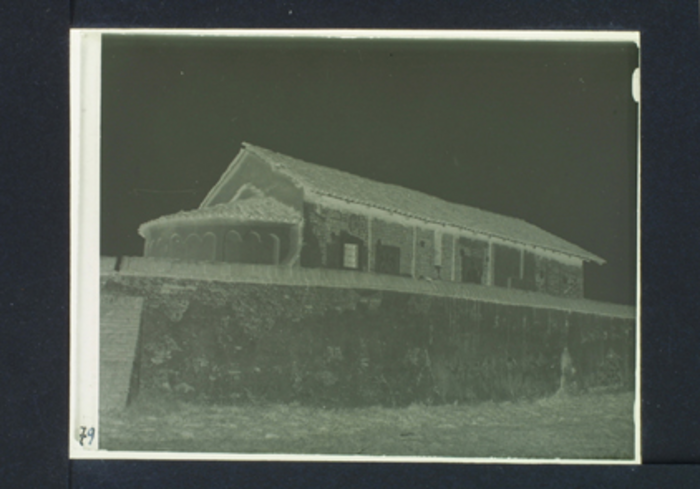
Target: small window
(350,255)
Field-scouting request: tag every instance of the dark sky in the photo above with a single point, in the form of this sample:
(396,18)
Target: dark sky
(541,131)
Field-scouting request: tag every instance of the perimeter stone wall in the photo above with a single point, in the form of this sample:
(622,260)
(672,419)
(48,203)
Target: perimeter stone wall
(221,342)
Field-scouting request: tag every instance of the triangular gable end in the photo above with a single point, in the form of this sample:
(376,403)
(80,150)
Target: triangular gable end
(249,170)
(211,197)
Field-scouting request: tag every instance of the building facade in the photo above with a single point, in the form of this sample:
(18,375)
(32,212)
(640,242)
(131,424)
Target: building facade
(271,209)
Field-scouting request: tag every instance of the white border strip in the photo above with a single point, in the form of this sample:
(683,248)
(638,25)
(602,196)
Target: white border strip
(85,79)
(485,35)
(274,457)
(636,95)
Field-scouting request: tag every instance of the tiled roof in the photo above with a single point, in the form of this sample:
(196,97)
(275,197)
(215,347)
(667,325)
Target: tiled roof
(400,200)
(260,209)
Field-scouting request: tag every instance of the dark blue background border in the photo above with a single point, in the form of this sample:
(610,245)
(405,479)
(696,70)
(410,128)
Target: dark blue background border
(34,236)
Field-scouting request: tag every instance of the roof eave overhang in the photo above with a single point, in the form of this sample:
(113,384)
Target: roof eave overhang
(595,259)
(212,220)
(311,192)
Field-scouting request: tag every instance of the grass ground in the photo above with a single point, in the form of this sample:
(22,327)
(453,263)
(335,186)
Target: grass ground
(596,425)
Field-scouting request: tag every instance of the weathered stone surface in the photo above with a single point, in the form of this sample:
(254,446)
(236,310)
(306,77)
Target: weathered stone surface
(120,320)
(262,342)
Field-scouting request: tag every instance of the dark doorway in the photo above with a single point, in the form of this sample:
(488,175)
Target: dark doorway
(388,259)
(472,268)
(506,266)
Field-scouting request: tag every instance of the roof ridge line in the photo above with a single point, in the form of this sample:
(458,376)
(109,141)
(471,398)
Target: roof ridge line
(395,185)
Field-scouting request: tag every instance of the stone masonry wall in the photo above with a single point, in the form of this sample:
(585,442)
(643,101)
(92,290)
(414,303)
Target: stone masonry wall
(237,343)
(120,320)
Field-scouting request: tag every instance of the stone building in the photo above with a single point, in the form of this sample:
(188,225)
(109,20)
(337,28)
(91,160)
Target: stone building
(268,208)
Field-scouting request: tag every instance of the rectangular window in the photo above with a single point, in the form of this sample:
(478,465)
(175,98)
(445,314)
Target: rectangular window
(388,259)
(350,259)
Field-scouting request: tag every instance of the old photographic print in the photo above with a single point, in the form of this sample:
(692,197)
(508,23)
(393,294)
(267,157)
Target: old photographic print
(367,245)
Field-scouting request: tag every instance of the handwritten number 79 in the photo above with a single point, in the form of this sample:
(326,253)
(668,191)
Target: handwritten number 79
(86,433)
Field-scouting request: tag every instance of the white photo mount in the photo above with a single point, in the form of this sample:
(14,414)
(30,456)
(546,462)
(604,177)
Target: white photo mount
(86,70)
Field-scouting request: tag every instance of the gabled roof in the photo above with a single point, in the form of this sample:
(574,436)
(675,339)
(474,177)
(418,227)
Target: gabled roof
(258,209)
(399,200)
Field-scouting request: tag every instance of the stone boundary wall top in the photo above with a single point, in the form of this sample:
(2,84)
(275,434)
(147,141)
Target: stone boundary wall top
(270,274)
(108,264)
